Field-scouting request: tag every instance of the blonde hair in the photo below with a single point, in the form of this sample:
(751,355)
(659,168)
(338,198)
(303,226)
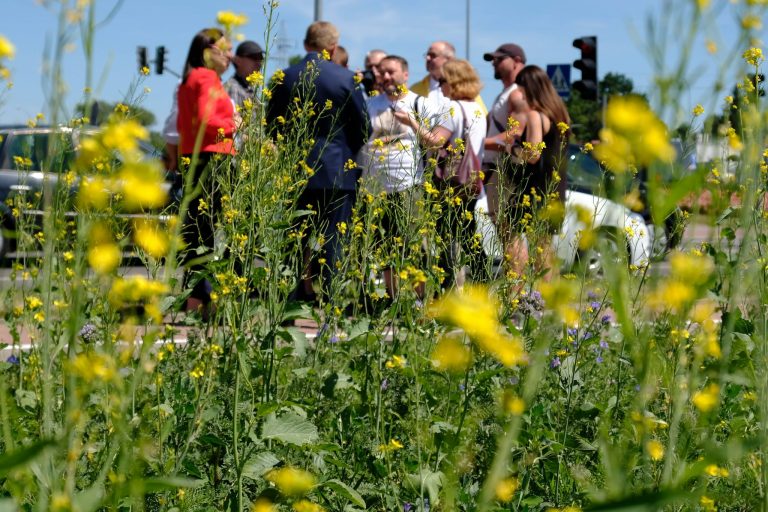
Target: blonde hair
(321,35)
(463,79)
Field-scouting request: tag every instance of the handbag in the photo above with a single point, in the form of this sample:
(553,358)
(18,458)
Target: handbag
(460,173)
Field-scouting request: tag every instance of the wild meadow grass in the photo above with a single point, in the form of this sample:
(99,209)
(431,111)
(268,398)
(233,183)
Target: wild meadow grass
(639,389)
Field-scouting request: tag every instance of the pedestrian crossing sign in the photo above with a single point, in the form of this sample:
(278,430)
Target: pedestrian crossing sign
(560,74)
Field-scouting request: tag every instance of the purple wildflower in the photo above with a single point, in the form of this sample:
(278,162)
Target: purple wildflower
(555,362)
(599,359)
(88,333)
(606,319)
(384,384)
(12,359)
(603,344)
(407,507)
(595,305)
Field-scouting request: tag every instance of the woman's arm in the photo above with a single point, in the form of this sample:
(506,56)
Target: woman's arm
(534,137)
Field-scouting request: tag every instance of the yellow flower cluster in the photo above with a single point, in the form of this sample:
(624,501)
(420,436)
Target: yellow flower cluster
(476,313)
(689,273)
(138,295)
(92,366)
(655,449)
(229,20)
(291,481)
(451,355)
(753,56)
(633,136)
(706,399)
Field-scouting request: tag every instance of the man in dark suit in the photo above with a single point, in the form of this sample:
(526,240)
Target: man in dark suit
(339,128)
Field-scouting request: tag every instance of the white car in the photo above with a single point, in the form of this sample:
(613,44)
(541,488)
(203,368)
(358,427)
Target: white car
(613,223)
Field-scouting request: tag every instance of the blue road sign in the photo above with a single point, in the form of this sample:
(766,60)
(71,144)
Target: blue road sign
(560,74)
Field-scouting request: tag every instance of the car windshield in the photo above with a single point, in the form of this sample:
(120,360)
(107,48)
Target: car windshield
(30,151)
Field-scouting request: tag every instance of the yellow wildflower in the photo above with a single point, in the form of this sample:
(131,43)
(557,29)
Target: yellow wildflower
(229,19)
(396,362)
(698,110)
(506,488)
(716,471)
(474,311)
(291,481)
(104,257)
(708,504)
(142,186)
(654,449)
(451,355)
(150,238)
(633,135)
(753,56)
(7,50)
(255,78)
(263,505)
(307,506)
(706,399)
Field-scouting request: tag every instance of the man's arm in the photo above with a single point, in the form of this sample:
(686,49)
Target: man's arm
(514,126)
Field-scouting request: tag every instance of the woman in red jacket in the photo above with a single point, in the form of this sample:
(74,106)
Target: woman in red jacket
(206,126)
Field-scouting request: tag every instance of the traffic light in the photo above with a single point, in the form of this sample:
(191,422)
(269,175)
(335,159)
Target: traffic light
(587,86)
(141,53)
(160,60)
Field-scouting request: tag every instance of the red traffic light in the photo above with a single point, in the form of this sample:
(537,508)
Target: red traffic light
(587,64)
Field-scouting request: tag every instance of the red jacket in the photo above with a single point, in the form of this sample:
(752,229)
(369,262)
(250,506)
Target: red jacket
(204,104)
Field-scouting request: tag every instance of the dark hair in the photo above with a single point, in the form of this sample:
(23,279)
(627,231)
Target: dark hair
(401,60)
(541,94)
(202,40)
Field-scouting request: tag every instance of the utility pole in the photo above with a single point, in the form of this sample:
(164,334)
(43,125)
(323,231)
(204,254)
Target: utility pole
(467,30)
(318,10)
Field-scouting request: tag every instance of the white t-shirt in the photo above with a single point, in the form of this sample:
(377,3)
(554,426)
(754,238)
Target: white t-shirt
(453,120)
(392,157)
(498,115)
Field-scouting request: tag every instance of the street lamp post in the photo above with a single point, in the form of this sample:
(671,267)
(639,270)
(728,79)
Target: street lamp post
(467,30)
(318,9)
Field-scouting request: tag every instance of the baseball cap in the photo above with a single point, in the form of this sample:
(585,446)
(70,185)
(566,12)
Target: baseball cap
(506,50)
(249,49)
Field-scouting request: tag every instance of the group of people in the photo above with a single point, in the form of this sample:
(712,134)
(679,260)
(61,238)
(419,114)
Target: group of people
(389,129)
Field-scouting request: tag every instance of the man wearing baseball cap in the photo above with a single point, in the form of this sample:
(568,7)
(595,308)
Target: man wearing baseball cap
(248,58)
(507,61)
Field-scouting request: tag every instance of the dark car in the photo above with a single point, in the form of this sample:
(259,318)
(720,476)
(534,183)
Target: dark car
(28,157)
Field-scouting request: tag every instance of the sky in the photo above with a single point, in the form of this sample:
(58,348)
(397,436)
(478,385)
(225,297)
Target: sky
(544,28)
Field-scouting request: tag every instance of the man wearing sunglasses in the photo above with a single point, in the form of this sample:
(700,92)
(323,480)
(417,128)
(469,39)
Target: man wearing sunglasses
(507,61)
(438,54)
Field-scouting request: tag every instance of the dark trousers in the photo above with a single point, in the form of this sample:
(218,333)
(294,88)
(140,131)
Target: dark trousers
(199,225)
(332,207)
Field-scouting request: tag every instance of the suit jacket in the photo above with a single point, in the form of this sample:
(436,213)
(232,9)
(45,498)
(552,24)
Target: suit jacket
(339,132)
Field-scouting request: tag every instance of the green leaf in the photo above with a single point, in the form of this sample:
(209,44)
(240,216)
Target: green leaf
(645,501)
(665,198)
(259,464)
(429,481)
(297,337)
(89,499)
(289,428)
(346,491)
(23,456)
(168,483)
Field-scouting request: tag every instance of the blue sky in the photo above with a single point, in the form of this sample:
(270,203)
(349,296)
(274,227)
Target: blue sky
(545,28)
